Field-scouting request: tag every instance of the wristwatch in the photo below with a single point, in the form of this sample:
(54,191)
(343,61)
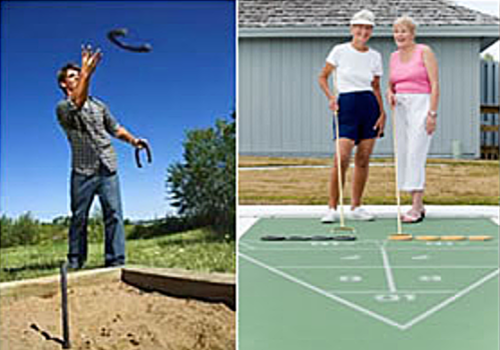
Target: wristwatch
(433,114)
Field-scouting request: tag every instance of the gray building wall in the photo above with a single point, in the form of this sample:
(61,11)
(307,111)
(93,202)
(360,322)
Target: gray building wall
(282,110)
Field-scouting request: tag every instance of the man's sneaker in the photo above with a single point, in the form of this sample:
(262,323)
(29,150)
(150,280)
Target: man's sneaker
(114,264)
(329,217)
(361,214)
(74,265)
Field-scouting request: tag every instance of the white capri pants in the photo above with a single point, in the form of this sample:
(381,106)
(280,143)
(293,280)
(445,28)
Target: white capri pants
(413,141)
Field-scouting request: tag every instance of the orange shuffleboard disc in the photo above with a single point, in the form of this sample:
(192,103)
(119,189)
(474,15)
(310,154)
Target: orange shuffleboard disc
(480,238)
(400,237)
(427,238)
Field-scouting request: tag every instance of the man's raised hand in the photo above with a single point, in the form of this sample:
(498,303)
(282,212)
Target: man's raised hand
(90,59)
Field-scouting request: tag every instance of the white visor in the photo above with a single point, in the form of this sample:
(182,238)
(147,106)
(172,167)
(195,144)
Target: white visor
(362,21)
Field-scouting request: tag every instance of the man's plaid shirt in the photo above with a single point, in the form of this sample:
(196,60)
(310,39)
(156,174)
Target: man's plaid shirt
(88,130)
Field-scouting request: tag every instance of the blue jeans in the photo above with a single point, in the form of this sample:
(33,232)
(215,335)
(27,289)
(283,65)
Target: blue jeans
(83,190)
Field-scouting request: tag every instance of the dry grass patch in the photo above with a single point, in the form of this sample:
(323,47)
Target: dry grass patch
(448,182)
(248,161)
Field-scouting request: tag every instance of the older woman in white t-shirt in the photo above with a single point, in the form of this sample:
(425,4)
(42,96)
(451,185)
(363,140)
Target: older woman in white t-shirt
(360,109)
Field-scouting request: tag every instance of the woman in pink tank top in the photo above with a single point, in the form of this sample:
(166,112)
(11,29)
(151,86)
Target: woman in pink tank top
(413,94)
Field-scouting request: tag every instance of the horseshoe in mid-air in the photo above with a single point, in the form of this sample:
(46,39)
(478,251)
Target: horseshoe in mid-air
(115,35)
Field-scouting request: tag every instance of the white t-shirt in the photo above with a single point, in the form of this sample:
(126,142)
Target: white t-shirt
(355,70)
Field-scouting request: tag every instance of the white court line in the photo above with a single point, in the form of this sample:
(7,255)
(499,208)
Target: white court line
(246,245)
(312,267)
(420,257)
(318,248)
(366,311)
(244,225)
(321,292)
(399,292)
(388,272)
(466,249)
(451,300)
(351,257)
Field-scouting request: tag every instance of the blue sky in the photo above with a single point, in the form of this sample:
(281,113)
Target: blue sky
(490,7)
(186,82)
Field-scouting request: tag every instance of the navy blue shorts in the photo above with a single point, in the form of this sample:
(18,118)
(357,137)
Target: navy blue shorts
(358,113)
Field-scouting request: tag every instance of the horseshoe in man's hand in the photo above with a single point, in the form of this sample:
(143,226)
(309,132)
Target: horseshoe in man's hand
(146,147)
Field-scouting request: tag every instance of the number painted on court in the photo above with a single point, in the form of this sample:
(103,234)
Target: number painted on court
(392,298)
(441,243)
(325,243)
(433,278)
(354,279)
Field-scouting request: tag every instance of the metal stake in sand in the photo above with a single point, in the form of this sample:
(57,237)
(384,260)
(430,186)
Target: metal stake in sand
(342,228)
(400,235)
(64,305)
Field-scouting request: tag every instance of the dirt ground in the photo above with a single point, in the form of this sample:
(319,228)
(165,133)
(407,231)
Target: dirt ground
(116,316)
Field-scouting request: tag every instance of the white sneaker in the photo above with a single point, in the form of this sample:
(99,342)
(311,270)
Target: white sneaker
(361,214)
(329,217)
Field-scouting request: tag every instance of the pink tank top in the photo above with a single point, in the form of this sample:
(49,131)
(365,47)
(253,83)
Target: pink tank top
(410,77)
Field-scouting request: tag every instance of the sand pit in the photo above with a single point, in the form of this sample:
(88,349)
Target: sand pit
(113,315)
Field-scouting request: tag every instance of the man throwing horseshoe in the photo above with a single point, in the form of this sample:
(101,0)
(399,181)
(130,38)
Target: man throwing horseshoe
(89,125)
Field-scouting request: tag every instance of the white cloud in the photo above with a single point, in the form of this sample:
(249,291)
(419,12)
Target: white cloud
(487,6)
(491,7)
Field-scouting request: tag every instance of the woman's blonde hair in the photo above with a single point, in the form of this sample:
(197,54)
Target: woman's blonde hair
(408,22)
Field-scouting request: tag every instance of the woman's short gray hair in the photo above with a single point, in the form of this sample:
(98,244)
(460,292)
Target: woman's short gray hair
(408,22)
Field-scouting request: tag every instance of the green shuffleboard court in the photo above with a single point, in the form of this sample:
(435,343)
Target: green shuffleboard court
(371,293)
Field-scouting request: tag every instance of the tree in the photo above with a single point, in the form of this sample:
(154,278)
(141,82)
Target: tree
(488,57)
(24,230)
(5,231)
(95,224)
(203,186)
(62,220)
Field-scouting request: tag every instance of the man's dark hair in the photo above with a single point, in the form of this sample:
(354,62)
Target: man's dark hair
(61,74)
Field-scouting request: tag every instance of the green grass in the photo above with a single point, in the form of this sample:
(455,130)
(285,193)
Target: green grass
(198,250)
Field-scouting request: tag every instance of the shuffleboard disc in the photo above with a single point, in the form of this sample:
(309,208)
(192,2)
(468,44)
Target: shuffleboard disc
(400,237)
(298,238)
(272,238)
(344,238)
(428,238)
(321,238)
(480,238)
